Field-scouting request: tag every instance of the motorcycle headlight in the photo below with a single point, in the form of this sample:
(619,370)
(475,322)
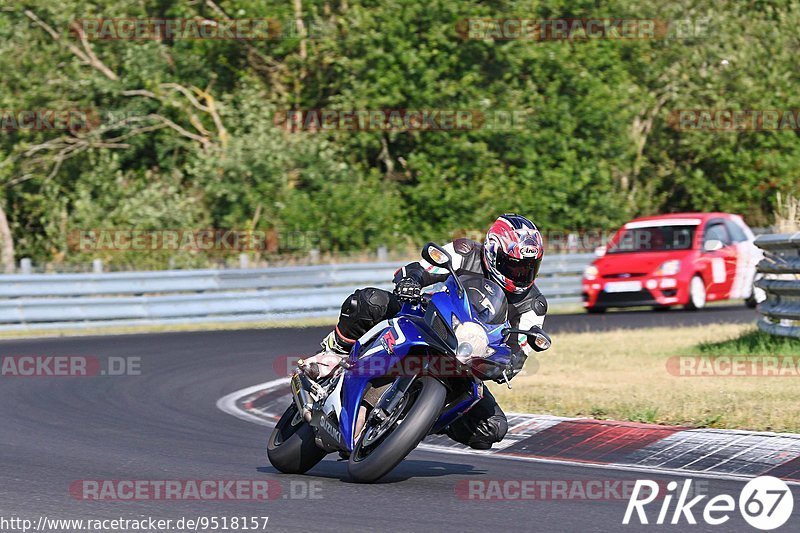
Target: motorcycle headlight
(473,342)
(669,268)
(591,272)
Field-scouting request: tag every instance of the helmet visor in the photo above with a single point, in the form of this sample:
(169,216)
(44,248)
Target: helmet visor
(521,272)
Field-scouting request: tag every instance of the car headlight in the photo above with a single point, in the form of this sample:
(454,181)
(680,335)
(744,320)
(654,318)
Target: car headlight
(591,272)
(669,268)
(473,342)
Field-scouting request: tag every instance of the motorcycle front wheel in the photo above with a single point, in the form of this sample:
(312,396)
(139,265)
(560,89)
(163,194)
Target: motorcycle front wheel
(291,448)
(379,448)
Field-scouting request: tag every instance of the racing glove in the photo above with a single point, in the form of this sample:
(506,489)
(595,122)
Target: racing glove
(408,290)
(517,362)
(513,368)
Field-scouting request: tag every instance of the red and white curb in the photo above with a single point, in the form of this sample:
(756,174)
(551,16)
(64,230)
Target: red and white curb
(606,444)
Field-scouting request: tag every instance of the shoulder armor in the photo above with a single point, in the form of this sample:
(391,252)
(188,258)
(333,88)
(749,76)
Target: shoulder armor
(531,300)
(540,305)
(465,246)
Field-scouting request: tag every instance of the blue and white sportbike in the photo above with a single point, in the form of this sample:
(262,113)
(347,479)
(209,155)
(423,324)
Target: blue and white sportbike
(408,377)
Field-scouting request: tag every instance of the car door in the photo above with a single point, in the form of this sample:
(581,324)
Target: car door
(719,256)
(747,257)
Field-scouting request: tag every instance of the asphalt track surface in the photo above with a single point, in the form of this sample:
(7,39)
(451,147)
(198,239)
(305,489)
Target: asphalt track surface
(163,425)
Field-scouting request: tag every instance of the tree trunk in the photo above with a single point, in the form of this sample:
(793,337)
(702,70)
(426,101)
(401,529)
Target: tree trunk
(6,243)
(300,26)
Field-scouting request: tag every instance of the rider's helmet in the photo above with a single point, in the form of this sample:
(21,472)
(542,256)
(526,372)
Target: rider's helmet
(512,253)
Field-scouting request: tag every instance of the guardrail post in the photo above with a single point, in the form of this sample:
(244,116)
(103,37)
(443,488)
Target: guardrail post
(97,266)
(25,265)
(313,256)
(383,254)
(572,242)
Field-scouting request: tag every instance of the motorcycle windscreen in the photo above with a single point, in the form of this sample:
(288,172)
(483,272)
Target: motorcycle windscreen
(487,298)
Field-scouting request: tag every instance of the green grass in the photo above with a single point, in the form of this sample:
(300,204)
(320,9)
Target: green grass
(751,343)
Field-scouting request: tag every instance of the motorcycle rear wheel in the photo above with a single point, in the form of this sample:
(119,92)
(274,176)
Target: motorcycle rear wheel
(420,409)
(291,448)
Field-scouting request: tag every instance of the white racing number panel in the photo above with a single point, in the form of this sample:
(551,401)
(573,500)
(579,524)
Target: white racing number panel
(623,286)
(718,273)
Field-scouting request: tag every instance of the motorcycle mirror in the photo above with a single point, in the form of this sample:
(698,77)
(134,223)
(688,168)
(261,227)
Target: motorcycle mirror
(538,339)
(436,255)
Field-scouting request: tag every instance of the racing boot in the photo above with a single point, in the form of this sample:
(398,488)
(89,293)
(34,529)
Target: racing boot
(322,364)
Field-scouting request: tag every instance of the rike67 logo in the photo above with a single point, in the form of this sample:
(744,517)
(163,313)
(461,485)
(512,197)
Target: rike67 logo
(765,503)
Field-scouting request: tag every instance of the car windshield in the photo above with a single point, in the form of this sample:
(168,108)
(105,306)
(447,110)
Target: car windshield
(652,239)
(487,299)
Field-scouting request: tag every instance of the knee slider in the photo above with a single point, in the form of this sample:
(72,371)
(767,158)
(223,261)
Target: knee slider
(370,303)
(488,432)
(501,427)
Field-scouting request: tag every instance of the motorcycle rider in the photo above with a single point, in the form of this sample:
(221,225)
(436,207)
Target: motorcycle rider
(510,256)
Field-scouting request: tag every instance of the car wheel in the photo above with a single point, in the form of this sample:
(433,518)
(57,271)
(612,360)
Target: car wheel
(697,294)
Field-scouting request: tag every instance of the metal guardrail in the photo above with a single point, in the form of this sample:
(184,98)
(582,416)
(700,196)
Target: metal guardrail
(36,301)
(780,271)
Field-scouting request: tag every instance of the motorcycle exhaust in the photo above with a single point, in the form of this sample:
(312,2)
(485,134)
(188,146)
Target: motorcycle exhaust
(301,398)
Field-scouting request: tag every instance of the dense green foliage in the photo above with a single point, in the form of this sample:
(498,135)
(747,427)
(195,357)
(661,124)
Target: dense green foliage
(187,137)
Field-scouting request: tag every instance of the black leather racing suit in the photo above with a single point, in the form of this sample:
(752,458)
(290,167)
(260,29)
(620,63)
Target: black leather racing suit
(485,423)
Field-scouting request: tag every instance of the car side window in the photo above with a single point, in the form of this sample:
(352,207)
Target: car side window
(717,231)
(737,233)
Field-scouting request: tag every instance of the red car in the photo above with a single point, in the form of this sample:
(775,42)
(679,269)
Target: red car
(678,259)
